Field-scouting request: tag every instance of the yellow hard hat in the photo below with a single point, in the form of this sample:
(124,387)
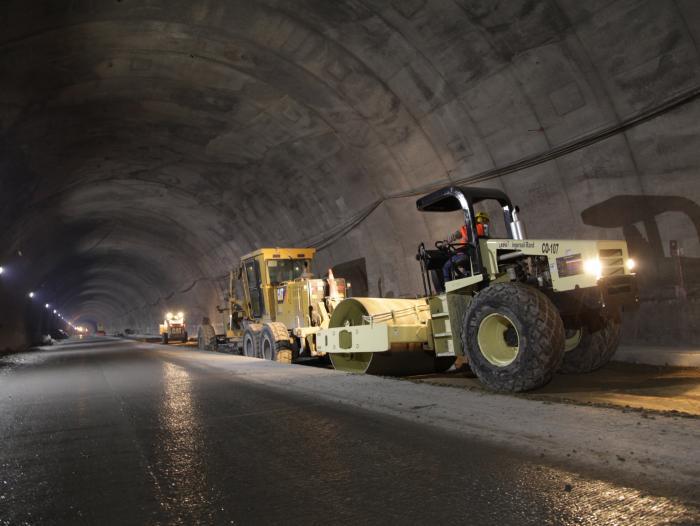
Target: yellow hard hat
(482,217)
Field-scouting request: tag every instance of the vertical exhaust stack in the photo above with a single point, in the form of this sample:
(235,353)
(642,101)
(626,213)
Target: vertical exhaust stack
(332,286)
(517,229)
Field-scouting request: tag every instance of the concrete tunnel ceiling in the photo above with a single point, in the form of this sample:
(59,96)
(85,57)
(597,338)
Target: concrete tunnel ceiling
(146,145)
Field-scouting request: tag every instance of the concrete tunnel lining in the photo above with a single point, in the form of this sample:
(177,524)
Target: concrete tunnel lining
(249,123)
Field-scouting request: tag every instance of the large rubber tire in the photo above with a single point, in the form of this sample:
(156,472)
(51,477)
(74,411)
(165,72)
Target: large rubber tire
(275,344)
(514,337)
(164,338)
(185,338)
(595,348)
(251,340)
(206,338)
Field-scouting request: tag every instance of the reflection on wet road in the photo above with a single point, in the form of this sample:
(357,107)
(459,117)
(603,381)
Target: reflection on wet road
(178,451)
(107,432)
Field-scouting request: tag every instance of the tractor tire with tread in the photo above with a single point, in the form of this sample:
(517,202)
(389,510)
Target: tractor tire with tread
(251,340)
(206,338)
(164,338)
(531,334)
(595,348)
(275,344)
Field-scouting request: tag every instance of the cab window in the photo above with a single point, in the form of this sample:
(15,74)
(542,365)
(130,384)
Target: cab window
(281,270)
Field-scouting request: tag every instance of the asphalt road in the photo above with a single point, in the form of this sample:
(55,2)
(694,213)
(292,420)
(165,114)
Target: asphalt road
(110,432)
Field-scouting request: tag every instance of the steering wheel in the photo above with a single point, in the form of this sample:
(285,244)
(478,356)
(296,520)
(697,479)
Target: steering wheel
(449,247)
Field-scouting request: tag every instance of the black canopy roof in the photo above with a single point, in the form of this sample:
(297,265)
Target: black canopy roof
(448,199)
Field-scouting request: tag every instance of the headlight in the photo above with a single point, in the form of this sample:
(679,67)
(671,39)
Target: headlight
(631,264)
(593,267)
(180,314)
(169,315)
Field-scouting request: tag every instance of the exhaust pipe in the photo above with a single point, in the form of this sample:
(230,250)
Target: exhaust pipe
(517,229)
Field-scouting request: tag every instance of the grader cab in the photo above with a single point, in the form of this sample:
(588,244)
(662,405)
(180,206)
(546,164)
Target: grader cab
(515,309)
(276,305)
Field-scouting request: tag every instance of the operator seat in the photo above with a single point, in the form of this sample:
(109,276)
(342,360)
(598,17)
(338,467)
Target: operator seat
(433,261)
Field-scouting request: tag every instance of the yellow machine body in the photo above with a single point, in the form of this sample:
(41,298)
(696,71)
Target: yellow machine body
(173,327)
(277,286)
(382,336)
(390,336)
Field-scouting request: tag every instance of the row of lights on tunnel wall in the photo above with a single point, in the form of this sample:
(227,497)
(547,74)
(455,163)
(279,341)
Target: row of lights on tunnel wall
(32,295)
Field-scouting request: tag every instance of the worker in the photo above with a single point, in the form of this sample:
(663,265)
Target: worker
(460,240)
(482,224)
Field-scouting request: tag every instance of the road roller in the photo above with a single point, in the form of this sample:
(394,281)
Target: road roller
(515,310)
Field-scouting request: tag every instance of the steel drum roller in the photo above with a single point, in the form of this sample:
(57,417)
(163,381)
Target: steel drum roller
(403,358)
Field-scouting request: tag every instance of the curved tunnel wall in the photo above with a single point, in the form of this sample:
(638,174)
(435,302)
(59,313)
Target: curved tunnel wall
(146,146)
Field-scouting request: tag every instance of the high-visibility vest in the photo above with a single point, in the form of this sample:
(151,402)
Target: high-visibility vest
(464,235)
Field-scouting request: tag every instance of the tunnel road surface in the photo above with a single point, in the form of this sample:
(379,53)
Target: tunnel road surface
(116,432)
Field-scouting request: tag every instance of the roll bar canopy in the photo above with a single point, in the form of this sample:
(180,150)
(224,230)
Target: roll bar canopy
(453,198)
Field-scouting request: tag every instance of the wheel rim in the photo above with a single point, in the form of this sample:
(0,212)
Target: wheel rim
(266,349)
(573,338)
(498,339)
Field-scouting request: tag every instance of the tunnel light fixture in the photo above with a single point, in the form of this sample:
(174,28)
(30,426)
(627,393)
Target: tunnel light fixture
(47,306)
(2,270)
(631,264)
(31,294)
(54,311)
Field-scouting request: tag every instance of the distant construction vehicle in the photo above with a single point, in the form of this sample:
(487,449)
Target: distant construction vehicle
(282,306)
(173,328)
(515,309)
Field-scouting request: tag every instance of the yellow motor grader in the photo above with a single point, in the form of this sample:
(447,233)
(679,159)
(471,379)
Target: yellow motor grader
(515,309)
(282,306)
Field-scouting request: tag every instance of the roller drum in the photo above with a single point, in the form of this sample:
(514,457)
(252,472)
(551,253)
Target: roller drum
(403,358)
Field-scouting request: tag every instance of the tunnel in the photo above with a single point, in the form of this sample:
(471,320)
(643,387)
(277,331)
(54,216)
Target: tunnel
(350,262)
(145,146)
